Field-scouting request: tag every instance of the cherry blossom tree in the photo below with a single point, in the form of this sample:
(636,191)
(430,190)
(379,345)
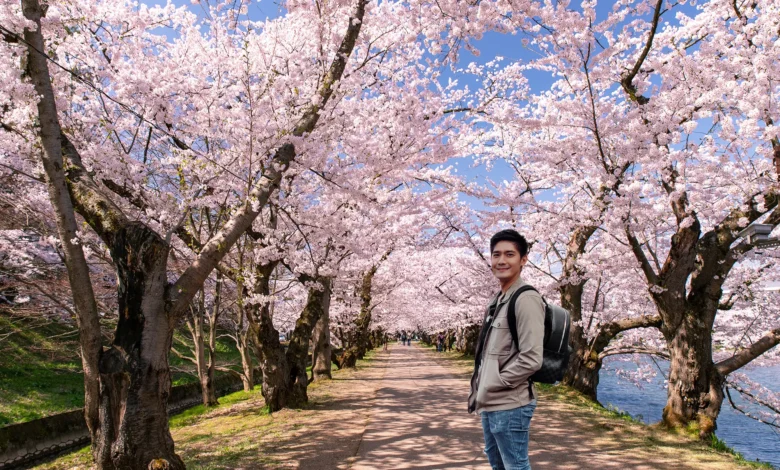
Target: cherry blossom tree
(653,145)
(715,70)
(659,135)
(126,403)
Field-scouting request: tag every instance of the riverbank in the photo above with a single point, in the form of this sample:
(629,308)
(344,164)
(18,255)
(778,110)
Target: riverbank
(583,434)
(755,440)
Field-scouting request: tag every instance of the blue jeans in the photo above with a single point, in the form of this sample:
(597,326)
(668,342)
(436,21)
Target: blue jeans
(506,437)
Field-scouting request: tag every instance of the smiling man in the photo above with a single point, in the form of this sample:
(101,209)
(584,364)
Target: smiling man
(500,390)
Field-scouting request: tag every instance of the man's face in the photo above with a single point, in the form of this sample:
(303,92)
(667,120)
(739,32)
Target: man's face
(506,261)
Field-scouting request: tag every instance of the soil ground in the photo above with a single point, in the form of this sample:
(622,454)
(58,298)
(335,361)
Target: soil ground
(405,409)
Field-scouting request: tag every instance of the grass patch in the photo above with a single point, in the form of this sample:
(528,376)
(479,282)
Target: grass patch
(192,415)
(81,458)
(333,368)
(182,370)
(718,445)
(41,372)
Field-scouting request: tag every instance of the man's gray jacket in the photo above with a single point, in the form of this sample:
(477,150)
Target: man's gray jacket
(501,380)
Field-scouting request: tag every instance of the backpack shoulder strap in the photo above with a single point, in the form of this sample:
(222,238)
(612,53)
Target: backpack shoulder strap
(512,316)
(486,322)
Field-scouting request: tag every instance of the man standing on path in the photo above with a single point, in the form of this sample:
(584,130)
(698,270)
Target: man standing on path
(500,390)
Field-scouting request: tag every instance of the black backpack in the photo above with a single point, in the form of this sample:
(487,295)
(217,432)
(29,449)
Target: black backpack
(557,323)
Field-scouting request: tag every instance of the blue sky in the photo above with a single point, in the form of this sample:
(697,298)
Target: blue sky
(491,45)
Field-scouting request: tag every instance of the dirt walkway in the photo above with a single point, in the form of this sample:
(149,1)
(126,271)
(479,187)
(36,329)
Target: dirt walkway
(419,421)
(419,418)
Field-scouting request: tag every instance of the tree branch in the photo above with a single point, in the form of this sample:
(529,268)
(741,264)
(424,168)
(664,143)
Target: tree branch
(100,212)
(636,247)
(216,248)
(182,356)
(745,356)
(609,331)
(627,80)
(746,413)
(630,350)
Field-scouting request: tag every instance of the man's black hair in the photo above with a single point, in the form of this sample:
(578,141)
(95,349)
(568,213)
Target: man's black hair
(510,235)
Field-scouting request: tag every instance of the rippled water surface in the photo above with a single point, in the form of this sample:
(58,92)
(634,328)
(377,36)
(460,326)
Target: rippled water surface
(754,440)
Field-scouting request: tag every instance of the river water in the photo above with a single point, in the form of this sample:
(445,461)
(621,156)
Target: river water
(754,440)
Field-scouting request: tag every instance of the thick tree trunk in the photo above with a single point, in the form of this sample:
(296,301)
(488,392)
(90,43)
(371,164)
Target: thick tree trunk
(298,349)
(348,358)
(335,358)
(268,349)
(376,338)
(270,354)
(284,373)
(584,362)
(359,338)
(135,372)
(471,335)
(695,391)
(321,352)
(582,373)
(209,393)
(90,339)
(584,366)
(273,364)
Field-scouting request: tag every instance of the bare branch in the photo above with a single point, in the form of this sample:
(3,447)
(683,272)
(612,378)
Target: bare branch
(627,80)
(636,247)
(745,356)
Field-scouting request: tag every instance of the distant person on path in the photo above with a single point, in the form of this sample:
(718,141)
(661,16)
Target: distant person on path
(403,338)
(450,341)
(440,342)
(500,391)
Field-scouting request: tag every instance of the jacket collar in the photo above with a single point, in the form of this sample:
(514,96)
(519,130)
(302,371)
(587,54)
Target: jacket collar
(504,298)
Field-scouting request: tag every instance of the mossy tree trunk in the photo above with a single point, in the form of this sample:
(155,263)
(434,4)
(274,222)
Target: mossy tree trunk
(265,339)
(298,349)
